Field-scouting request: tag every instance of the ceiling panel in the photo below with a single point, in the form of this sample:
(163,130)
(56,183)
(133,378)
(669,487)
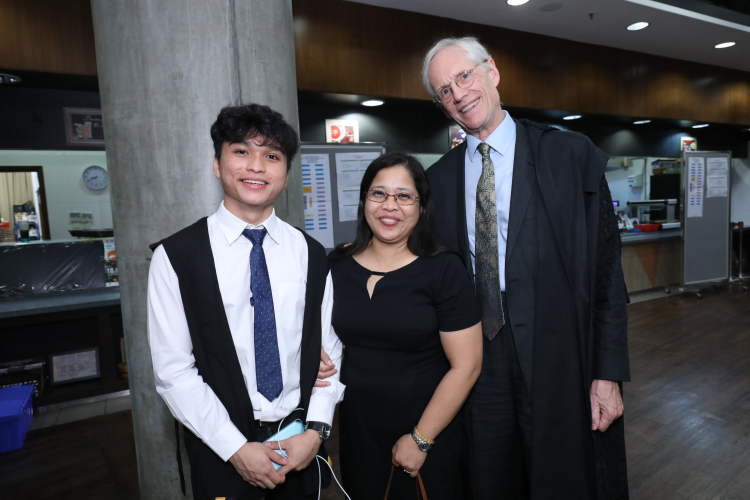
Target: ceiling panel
(673,32)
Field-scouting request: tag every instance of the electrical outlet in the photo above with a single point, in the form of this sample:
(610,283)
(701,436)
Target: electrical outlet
(87,218)
(75,217)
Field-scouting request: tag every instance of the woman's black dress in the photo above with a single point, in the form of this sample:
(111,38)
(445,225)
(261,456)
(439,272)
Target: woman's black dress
(393,363)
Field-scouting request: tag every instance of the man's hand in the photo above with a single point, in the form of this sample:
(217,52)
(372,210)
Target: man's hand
(301,450)
(606,404)
(407,455)
(253,462)
(327,368)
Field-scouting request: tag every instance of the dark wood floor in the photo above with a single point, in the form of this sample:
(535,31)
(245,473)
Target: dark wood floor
(688,406)
(687,416)
(87,459)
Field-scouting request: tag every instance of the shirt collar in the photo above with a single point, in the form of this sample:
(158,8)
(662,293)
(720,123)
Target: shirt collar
(500,139)
(232,226)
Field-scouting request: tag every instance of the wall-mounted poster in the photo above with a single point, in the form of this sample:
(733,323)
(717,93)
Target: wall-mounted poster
(688,144)
(83,127)
(456,135)
(342,131)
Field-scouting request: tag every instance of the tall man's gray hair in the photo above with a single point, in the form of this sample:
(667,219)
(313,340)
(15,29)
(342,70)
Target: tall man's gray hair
(475,51)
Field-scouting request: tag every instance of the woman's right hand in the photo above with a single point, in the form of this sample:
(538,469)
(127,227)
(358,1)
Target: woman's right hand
(327,368)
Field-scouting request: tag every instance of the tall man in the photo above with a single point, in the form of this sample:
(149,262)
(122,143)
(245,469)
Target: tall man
(528,209)
(239,305)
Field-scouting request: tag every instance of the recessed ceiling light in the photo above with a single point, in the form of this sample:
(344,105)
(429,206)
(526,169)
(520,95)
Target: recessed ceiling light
(641,122)
(372,102)
(725,45)
(704,125)
(551,7)
(6,78)
(637,26)
(572,117)
(515,3)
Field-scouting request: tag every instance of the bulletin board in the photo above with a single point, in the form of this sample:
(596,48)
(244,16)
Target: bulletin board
(331,175)
(706,212)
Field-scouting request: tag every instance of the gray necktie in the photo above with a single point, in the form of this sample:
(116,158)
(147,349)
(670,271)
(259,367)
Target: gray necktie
(487,274)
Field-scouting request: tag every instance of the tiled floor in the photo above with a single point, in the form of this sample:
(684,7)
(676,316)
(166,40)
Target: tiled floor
(74,413)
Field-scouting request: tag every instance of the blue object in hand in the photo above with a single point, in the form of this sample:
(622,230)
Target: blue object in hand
(296,427)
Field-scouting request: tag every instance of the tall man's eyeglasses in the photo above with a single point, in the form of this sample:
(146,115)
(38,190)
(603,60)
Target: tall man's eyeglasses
(444,94)
(379,196)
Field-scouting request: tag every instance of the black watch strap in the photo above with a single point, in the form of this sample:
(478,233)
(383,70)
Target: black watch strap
(323,428)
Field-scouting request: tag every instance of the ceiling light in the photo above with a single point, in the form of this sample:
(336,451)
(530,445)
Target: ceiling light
(6,78)
(516,3)
(637,26)
(725,45)
(372,102)
(641,122)
(551,7)
(701,126)
(572,117)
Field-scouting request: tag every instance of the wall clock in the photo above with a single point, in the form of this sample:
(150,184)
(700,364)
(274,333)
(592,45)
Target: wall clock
(95,177)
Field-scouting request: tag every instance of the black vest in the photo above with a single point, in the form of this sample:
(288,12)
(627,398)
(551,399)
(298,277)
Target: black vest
(189,252)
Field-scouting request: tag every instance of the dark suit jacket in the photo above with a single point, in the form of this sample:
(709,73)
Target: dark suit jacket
(564,284)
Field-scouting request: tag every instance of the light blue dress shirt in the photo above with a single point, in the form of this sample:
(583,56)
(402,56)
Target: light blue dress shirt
(502,143)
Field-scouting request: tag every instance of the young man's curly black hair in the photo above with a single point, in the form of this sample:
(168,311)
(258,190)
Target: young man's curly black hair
(239,123)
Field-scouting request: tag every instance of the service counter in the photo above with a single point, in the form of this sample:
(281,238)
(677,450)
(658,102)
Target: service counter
(652,260)
(57,297)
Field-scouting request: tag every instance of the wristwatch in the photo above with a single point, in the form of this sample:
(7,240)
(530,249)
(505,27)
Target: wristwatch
(422,444)
(323,428)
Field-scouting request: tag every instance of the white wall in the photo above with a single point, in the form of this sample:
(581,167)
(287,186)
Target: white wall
(618,184)
(64,186)
(427,159)
(618,180)
(741,190)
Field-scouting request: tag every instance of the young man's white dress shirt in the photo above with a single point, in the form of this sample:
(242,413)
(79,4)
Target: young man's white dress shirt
(191,400)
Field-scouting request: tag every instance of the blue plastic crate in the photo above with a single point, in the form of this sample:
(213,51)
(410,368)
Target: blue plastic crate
(15,416)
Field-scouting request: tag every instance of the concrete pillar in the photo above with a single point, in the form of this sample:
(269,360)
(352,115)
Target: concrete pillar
(166,68)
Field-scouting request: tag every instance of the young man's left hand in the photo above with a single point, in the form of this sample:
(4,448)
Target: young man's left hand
(301,449)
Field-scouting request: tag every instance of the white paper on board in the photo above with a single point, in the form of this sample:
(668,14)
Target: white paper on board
(350,167)
(717,177)
(695,187)
(316,193)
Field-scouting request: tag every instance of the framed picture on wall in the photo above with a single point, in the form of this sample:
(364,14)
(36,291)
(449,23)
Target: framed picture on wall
(342,131)
(688,144)
(83,127)
(456,135)
(72,366)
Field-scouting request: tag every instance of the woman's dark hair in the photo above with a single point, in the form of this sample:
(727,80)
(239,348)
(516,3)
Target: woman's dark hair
(422,240)
(238,123)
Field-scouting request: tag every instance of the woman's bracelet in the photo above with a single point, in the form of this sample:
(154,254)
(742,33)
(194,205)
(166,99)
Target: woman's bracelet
(423,437)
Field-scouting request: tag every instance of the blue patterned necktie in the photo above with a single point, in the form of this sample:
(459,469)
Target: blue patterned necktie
(267,361)
(487,276)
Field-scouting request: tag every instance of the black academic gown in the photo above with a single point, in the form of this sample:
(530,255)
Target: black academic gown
(566,300)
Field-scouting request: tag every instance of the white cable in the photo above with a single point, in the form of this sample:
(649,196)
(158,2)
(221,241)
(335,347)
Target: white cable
(332,473)
(320,475)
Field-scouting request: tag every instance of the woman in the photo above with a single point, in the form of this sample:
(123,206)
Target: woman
(407,314)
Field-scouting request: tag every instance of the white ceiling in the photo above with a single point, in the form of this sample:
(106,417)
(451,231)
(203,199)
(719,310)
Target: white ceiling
(673,32)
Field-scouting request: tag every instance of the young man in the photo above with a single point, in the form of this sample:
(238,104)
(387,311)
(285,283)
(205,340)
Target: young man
(239,305)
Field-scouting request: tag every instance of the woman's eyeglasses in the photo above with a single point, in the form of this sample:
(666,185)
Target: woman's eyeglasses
(379,196)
